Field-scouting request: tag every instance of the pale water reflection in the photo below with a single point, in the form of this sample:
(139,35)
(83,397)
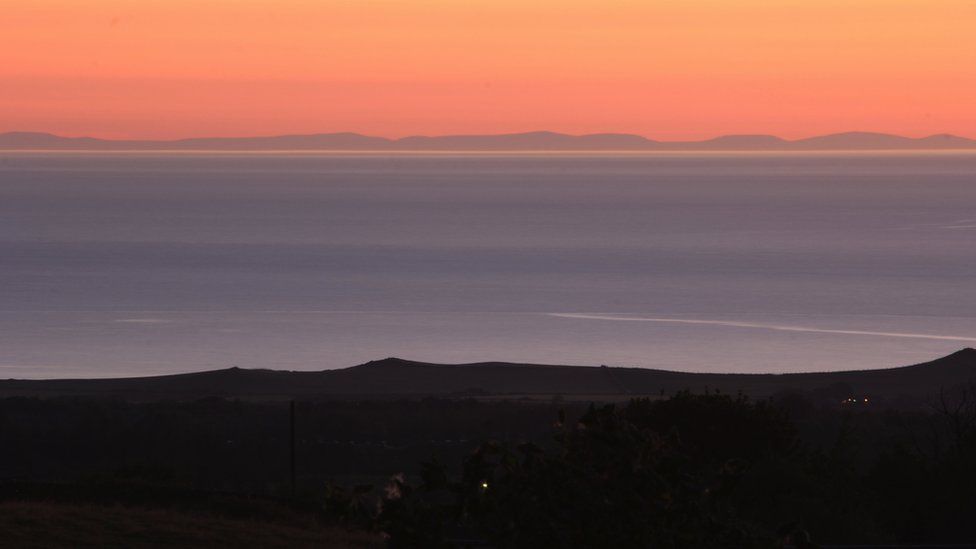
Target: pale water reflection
(144,264)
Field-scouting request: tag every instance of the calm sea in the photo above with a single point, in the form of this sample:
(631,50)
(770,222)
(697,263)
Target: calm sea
(134,264)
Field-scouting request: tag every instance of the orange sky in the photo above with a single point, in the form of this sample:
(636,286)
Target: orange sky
(667,69)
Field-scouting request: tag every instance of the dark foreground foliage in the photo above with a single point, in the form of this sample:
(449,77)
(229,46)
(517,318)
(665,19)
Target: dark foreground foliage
(649,474)
(701,471)
(694,470)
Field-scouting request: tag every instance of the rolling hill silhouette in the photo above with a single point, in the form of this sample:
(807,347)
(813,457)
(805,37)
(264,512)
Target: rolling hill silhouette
(398,378)
(539,141)
(530,141)
(880,141)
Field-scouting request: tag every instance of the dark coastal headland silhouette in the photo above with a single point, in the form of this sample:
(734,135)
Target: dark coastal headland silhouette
(529,141)
(395,378)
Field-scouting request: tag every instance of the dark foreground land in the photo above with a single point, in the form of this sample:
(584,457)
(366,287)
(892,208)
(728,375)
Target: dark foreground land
(54,524)
(420,455)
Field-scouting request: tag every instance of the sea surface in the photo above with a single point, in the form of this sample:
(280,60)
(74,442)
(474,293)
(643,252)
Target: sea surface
(139,264)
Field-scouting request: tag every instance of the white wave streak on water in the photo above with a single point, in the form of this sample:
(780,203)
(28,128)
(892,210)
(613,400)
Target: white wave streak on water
(777,327)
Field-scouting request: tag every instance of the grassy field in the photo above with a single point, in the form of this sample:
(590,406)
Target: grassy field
(51,525)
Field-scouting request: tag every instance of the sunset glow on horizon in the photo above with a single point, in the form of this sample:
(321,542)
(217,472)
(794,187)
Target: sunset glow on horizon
(662,69)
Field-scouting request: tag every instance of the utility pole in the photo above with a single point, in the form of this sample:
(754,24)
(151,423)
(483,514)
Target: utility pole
(292,445)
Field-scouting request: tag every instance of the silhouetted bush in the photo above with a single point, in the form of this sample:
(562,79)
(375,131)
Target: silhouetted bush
(650,474)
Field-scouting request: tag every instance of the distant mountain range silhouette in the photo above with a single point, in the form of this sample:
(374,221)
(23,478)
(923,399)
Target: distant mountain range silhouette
(531,141)
(398,378)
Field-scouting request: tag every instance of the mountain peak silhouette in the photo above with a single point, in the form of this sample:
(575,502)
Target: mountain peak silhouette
(525,141)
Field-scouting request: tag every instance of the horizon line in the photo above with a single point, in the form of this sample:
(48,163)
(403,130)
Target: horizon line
(472,134)
(536,141)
